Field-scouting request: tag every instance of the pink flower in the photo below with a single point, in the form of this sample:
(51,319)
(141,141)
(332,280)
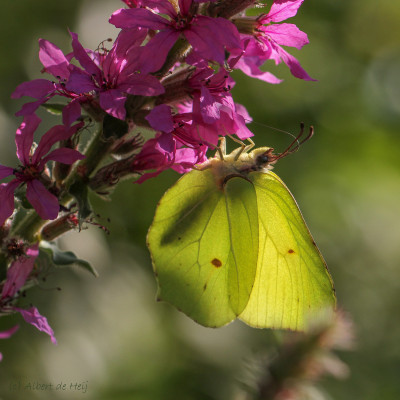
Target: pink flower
(7,334)
(209,91)
(190,129)
(266,41)
(57,64)
(112,74)
(181,128)
(164,152)
(16,278)
(19,271)
(33,317)
(32,166)
(208,36)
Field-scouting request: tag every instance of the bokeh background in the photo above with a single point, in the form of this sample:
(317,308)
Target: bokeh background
(112,334)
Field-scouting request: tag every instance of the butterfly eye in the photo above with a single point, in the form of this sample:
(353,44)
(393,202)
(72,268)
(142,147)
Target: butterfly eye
(263,159)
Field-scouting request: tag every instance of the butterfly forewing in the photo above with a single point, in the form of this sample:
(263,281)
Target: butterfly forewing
(197,241)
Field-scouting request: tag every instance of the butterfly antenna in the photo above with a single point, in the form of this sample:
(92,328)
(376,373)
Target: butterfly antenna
(295,145)
(270,127)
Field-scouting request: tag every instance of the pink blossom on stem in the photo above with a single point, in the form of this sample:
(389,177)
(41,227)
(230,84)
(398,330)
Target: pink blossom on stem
(209,90)
(164,152)
(181,127)
(32,166)
(208,36)
(112,74)
(57,64)
(266,41)
(19,271)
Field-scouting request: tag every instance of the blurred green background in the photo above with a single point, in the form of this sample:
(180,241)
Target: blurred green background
(112,334)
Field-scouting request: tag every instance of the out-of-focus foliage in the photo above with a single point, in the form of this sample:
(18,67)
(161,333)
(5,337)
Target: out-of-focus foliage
(113,335)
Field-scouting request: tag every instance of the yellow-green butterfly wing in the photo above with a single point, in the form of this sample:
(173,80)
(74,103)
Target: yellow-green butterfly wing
(204,246)
(229,241)
(292,281)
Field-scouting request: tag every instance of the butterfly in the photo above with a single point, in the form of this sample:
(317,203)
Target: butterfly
(228,241)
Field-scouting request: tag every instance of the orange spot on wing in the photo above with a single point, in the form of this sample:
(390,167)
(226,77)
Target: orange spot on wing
(290,251)
(217,263)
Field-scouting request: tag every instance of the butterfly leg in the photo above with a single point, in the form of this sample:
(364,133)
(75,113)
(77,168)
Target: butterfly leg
(243,148)
(221,149)
(221,152)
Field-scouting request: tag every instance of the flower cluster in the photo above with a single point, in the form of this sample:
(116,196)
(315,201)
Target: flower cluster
(168,71)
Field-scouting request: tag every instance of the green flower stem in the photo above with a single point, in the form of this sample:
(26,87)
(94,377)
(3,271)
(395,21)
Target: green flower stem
(94,152)
(28,227)
(56,228)
(180,49)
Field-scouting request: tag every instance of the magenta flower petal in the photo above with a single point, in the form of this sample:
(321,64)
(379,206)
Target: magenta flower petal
(281,10)
(5,171)
(206,133)
(113,102)
(160,118)
(210,36)
(166,144)
(24,137)
(79,81)
(53,59)
(63,155)
(33,317)
(186,158)
(9,332)
(293,64)
(242,111)
(184,6)
(37,89)
(149,175)
(160,45)
(19,272)
(287,35)
(130,38)
(30,108)
(142,85)
(209,106)
(137,18)
(52,136)
(7,199)
(82,56)
(252,70)
(71,112)
(162,153)
(45,203)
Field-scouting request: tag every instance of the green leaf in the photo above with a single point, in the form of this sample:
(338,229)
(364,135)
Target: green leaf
(65,258)
(230,242)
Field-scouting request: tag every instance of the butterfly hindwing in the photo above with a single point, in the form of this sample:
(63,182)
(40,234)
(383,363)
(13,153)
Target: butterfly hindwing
(292,280)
